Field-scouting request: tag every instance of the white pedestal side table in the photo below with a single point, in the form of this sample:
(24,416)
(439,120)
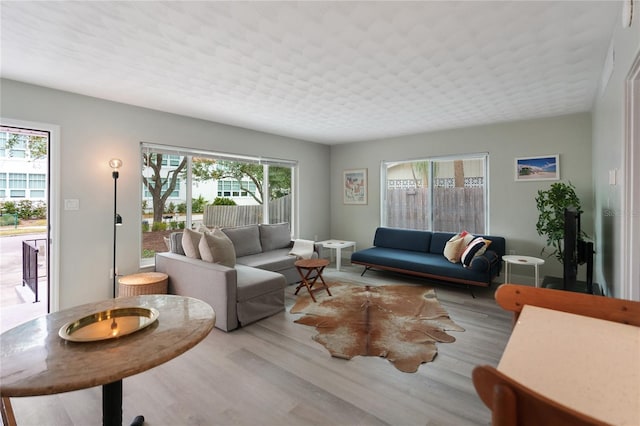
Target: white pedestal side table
(521,260)
(338,245)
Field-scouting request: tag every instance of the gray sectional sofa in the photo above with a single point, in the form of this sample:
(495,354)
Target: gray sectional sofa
(240,294)
(421,253)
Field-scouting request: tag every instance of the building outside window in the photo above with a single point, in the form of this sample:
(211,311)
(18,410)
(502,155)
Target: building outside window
(23,165)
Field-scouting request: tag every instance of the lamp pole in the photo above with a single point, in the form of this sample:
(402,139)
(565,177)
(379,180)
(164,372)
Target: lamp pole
(115,165)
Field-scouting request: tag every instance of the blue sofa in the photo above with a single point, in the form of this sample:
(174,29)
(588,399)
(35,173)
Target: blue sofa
(421,253)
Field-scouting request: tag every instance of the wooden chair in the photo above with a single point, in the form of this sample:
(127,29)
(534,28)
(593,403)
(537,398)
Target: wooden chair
(513,404)
(513,297)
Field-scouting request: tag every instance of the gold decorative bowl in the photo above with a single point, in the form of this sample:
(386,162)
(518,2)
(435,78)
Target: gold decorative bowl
(109,324)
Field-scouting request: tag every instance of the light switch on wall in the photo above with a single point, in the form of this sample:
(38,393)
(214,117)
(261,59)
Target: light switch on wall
(72,204)
(612,177)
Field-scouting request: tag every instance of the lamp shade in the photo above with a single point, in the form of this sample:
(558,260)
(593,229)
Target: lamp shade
(115,163)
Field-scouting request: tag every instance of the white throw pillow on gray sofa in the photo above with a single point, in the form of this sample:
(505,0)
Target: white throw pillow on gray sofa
(216,247)
(190,242)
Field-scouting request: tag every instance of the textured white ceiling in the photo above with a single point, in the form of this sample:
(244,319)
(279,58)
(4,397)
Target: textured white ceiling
(330,72)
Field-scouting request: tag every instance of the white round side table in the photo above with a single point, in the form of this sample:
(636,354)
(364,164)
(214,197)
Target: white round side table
(515,259)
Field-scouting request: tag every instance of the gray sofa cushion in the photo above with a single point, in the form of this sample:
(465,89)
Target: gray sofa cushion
(253,282)
(245,239)
(274,260)
(274,236)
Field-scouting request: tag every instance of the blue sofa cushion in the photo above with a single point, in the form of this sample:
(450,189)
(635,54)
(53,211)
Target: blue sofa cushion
(403,239)
(439,241)
(486,262)
(425,263)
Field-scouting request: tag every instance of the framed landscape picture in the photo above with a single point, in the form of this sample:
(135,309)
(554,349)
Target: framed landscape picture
(355,186)
(546,167)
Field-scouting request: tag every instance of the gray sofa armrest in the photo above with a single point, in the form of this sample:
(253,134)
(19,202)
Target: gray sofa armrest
(212,283)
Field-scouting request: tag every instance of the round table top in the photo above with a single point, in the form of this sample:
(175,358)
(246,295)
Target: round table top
(34,360)
(311,263)
(522,260)
(143,278)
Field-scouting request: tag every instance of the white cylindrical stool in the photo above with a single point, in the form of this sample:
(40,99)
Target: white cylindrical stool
(143,283)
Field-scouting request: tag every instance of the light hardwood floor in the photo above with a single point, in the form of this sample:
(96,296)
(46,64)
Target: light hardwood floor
(273,373)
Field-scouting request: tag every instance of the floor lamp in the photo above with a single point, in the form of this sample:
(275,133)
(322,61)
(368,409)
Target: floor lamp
(115,164)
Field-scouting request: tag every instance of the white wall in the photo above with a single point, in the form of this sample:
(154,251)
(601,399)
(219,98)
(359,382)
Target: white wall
(513,212)
(608,154)
(93,130)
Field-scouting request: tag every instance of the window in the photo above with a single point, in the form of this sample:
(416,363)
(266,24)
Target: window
(18,145)
(234,188)
(171,160)
(17,180)
(37,181)
(446,194)
(165,185)
(189,183)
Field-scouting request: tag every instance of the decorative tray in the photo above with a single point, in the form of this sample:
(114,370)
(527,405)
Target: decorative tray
(109,324)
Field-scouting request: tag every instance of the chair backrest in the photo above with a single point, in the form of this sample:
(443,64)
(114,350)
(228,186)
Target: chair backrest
(513,404)
(513,297)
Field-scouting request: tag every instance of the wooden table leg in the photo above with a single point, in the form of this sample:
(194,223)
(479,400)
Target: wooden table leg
(324,284)
(309,283)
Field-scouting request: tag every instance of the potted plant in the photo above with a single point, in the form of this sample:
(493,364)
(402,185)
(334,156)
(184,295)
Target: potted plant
(551,204)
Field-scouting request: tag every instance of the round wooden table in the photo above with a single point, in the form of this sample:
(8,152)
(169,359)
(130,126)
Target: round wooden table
(37,361)
(306,269)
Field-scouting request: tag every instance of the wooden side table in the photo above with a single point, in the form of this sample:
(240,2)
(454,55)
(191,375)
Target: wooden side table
(143,283)
(306,268)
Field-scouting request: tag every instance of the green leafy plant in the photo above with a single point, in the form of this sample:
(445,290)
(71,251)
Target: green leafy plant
(197,204)
(146,253)
(9,207)
(159,226)
(223,201)
(551,204)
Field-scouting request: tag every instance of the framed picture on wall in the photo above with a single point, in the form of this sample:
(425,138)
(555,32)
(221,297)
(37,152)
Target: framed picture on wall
(355,186)
(546,167)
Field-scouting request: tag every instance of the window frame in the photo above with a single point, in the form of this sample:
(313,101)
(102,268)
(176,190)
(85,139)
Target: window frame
(386,164)
(172,152)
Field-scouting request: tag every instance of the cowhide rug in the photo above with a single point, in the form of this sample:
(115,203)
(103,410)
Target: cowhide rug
(399,322)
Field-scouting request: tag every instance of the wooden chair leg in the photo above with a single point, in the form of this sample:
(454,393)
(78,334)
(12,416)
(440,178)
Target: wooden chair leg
(8,418)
